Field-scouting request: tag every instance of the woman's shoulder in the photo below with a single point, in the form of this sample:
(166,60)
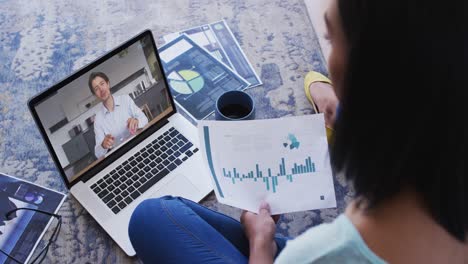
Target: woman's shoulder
(318,240)
(328,243)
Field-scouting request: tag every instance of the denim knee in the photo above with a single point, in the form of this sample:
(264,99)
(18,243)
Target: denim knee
(141,213)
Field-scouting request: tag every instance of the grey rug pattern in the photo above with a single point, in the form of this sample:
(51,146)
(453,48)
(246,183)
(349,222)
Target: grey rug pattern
(44,41)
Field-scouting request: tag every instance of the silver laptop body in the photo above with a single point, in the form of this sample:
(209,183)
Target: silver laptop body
(161,159)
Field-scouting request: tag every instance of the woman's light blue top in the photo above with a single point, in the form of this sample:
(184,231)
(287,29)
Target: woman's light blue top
(336,242)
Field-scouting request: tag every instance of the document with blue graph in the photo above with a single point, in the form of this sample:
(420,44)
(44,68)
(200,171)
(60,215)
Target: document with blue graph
(284,162)
(218,39)
(196,77)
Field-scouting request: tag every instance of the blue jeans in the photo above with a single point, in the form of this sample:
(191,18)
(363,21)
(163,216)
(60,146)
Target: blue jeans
(177,230)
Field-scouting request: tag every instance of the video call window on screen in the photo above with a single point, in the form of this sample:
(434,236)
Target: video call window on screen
(101,110)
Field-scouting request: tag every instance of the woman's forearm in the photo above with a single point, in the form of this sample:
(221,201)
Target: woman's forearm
(262,252)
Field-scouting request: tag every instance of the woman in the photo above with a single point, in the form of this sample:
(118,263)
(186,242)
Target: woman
(399,75)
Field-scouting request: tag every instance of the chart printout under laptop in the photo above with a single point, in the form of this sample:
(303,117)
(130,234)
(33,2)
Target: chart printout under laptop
(115,136)
(21,234)
(218,39)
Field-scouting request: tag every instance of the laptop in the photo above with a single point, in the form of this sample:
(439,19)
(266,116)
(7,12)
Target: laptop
(116,137)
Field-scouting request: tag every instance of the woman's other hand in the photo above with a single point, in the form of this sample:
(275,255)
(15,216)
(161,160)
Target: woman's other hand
(260,230)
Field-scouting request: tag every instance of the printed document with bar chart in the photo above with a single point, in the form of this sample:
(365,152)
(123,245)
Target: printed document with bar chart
(283,161)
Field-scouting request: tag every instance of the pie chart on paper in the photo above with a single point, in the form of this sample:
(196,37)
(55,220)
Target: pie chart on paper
(186,81)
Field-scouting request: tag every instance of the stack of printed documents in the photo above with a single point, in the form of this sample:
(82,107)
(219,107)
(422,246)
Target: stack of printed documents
(203,62)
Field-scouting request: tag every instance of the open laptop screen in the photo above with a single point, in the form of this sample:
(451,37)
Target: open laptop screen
(104,107)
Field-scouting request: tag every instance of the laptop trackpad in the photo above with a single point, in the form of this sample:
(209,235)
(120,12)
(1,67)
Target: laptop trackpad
(179,186)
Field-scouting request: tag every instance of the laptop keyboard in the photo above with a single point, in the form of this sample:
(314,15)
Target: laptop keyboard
(145,168)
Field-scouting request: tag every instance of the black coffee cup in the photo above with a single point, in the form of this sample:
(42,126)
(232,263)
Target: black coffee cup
(234,105)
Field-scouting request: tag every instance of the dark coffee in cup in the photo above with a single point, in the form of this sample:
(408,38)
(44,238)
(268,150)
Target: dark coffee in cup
(235,111)
(234,105)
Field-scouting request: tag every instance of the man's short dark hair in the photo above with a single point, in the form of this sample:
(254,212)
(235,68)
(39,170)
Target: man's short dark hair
(402,118)
(93,76)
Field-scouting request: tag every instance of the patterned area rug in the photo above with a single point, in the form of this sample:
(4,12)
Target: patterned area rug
(44,41)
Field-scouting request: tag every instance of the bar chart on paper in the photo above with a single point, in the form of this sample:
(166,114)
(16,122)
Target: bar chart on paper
(271,179)
(288,167)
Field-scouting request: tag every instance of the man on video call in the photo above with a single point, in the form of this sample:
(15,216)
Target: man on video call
(118,117)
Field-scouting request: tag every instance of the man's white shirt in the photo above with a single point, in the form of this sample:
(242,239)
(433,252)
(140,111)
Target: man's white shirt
(115,123)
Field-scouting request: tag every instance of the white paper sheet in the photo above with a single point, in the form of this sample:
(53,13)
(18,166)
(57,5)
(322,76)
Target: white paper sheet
(219,40)
(284,162)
